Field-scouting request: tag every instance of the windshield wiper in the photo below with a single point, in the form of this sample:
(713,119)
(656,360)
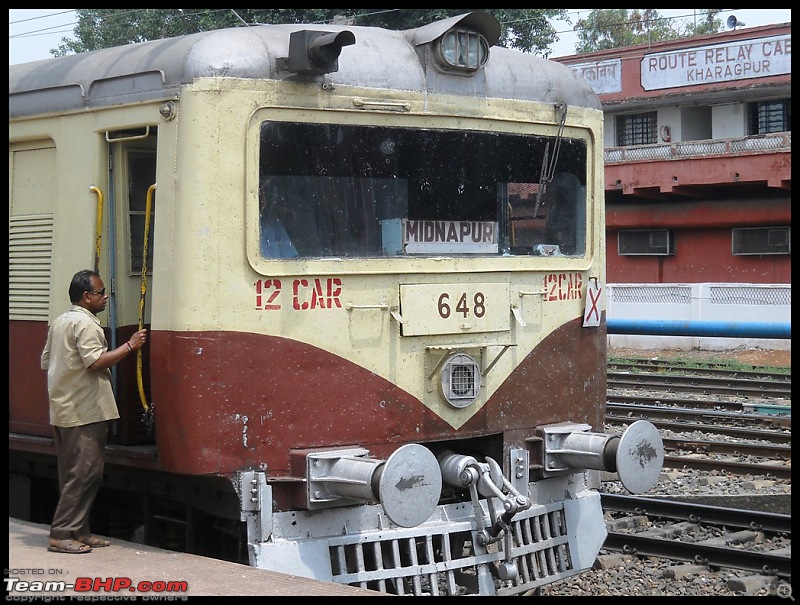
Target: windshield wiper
(549,162)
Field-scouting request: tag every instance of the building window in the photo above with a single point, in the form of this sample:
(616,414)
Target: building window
(770,116)
(637,129)
(645,242)
(761,240)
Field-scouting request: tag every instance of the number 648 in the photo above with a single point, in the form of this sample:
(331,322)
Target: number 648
(478,303)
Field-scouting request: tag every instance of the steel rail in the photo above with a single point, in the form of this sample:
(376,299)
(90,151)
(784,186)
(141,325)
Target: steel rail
(714,404)
(721,370)
(694,512)
(776,437)
(698,384)
(697,552)
(732,448)
(671,413)
(730,466)
(765,562)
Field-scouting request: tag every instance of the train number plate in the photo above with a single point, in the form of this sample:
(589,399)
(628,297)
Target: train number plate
(454,308)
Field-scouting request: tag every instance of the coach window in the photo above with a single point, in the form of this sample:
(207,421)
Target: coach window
(332,191)
(141,174)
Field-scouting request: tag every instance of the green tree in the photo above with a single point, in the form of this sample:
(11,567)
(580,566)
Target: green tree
(608,28)
(528,30)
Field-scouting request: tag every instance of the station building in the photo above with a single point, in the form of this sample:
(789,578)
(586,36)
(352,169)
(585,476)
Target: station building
(698,179)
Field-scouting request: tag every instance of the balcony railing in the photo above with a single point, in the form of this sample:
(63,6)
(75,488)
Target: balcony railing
(685,149)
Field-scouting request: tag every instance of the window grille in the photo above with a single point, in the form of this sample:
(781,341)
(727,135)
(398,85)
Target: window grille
(761,240)
(653,242)
(637,129)
(770,116)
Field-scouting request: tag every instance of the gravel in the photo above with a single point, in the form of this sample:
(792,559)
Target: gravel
(628,575)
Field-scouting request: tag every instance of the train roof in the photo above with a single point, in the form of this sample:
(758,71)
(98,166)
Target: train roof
(377,58)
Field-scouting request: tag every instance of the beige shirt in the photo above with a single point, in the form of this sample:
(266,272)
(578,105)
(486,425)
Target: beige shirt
(78,395)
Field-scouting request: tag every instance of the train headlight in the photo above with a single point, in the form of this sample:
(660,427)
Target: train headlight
(464,49)
(461,380)
(460,45)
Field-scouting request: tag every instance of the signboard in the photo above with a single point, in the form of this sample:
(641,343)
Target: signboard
(740,60)
(405,236)
(604,77)
(591,313)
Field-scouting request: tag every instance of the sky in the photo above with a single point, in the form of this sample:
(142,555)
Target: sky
(32,33)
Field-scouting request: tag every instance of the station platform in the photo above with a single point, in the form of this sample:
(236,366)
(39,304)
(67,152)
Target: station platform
(126,570)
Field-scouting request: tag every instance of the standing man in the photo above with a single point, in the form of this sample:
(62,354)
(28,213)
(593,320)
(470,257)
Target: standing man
(82,406)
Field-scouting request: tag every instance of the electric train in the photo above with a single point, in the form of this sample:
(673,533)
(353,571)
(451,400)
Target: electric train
(371,264)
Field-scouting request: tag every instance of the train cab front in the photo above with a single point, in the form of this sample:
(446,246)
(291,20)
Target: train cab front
(478,283)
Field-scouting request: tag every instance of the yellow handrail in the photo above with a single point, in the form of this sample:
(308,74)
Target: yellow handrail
(99,228)
(147,215)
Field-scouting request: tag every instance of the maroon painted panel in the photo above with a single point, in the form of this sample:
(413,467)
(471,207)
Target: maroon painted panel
(564,379)
(227,401)
(28,407)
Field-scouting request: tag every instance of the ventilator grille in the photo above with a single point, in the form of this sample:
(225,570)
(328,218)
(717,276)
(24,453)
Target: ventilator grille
(461,380)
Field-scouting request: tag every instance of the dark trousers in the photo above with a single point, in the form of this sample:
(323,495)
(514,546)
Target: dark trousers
(81,457)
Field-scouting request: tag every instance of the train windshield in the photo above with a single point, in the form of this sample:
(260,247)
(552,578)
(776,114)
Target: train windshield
(329,190)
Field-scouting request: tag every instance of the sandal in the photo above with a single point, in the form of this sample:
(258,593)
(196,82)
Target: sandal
(72,547)
(94,542)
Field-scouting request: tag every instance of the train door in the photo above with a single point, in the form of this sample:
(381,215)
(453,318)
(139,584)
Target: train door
(132,178)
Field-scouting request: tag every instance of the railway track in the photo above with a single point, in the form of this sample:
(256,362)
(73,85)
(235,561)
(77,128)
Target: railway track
(772,412)
(720,421)
(734,422)
(774,429)
(707,369)
(752,541)
(739,387)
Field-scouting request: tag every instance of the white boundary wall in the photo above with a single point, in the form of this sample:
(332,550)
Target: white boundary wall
(744,303)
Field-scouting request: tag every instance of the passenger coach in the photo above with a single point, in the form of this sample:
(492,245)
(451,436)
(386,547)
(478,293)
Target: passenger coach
(372,264)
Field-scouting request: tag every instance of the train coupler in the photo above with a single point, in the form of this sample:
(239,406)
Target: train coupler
(486,479)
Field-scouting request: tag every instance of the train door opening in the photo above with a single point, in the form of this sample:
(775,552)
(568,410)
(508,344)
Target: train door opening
(132,179)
